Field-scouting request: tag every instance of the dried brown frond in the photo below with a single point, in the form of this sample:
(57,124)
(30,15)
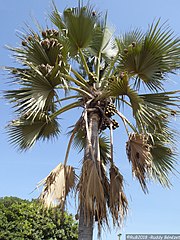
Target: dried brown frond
(118,203)
(57,185)
(93,192)
(138,150)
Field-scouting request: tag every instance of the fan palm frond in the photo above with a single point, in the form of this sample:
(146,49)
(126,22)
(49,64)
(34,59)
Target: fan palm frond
(150,59)
(79,23)
(36,91)
(105,148)
(56,18)
(102,41)
(163,101)
(163,162)
(50,48)
(24,132)
(156,109)
(163,151)
(120,87)
(57,186)
(125,42)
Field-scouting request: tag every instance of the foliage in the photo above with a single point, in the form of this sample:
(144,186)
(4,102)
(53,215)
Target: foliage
(80,64)
(23,219)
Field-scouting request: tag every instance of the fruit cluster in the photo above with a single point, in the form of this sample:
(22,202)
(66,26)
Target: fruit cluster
(106,124)
(49,38)
(50,33)
(110,110)
(47,43)
(45,69)
(29,39)
(115,124)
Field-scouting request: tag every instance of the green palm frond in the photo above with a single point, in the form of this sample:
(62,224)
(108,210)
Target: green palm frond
(36,92)
(117,86)
(79,140)
(163,151)
(31,51)
(102,41)
(155,110)
(56,18)
(164,101)
(164,161)
(24,132)
(146,117)
(150,59)
(125,42)
(105,148)
(120,87)
(50,48)
(79,23)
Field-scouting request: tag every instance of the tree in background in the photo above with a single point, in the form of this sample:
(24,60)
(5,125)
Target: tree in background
(23,219)
(79,64)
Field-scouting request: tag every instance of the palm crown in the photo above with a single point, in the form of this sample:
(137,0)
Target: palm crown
(82,63)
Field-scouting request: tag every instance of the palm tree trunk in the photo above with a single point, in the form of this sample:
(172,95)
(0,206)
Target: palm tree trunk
(86,230)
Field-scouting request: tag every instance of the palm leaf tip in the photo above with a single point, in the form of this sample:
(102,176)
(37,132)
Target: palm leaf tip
(139,154)
(24,132)
(57,186)
(164,161)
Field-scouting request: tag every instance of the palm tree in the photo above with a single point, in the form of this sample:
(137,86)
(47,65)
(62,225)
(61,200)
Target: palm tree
(79,64)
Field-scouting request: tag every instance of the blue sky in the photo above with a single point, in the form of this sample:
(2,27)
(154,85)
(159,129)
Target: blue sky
(157,212)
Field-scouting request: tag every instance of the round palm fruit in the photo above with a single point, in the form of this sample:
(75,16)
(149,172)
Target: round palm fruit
(121,75)
(111,80)
(94,13)
(55,32)
(133,44)
(24,43)
(52,42)
(103,127)
(115,124)
(36,37)
(45,43)
(44,34)
(30,38)
(43,69)
(49,31)
(125,50)
(173,113)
